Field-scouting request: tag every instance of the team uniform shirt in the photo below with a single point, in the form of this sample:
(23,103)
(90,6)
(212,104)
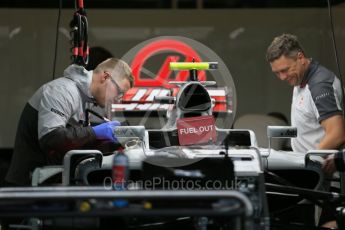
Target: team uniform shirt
(316,99)
(52,124)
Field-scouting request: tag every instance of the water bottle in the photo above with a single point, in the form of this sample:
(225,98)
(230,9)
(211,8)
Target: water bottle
(120,174)
(120,171)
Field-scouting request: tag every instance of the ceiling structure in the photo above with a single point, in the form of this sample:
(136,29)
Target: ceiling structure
(167,4)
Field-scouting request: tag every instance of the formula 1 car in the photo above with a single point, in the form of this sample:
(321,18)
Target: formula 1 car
(190,152)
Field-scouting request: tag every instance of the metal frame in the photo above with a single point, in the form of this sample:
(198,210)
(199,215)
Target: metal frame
(58,195)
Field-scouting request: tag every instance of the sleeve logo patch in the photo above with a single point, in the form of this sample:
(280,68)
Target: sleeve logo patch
(57,112)
(322,96)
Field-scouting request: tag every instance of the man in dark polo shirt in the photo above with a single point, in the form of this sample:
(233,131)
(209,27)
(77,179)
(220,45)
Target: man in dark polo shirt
(316,104)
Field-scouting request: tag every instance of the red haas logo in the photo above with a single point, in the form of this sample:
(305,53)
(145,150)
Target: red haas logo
(163,76)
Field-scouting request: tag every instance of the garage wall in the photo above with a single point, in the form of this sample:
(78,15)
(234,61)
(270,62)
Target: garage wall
(239,36)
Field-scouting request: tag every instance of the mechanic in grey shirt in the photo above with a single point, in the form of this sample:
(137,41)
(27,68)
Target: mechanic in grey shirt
(316,104)
(52,121)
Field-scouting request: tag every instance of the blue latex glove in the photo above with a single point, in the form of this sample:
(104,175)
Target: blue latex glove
(104,131)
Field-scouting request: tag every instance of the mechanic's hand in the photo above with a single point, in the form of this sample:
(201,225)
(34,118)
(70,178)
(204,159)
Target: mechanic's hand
(105,130)
(328,165)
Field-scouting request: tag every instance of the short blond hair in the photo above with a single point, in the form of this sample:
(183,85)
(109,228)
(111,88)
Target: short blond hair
(118,68)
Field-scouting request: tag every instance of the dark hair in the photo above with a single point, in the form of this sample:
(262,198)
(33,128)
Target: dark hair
(283,45)
(97,55)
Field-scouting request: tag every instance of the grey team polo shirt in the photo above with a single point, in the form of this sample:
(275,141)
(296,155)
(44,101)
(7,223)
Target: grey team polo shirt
(316,99)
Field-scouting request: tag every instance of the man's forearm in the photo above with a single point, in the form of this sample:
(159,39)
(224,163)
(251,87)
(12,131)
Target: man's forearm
(334,137)
(332,141)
